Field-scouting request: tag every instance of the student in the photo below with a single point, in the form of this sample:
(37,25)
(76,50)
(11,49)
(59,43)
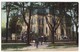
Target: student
(36,42)
(41,40)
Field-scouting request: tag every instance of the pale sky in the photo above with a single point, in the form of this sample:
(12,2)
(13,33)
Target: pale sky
(3,16)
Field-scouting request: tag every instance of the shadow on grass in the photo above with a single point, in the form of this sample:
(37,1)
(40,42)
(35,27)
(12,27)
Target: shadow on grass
(13,46)
(61,45)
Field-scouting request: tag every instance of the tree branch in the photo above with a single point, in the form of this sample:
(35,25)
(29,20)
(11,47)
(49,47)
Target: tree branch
(24,15)
(48,24)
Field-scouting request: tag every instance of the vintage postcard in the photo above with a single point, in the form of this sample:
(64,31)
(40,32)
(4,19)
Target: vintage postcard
(39,26)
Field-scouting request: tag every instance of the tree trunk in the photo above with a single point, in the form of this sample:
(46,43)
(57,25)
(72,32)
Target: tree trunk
(52,35)
(28,29)
(7,12)
(73,33)
(77,35)
(28,24)
(28,37)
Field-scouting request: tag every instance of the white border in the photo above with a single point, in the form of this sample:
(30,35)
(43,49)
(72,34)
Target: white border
(0,26)
(39,1)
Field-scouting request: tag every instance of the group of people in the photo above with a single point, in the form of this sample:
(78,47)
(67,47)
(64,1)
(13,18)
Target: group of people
(37,39)
(24,37)
(41,40)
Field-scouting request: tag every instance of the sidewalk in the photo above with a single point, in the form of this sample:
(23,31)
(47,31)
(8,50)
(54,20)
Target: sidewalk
(43,47)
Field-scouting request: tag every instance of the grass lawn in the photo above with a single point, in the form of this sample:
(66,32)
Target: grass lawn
(50,46)
(14,46)
(62,45)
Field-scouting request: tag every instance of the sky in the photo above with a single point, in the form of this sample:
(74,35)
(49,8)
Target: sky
(3,16)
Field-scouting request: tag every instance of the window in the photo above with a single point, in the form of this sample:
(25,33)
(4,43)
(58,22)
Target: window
(34,20)
(41,21)
(41,30)
(33,29)
(46,30)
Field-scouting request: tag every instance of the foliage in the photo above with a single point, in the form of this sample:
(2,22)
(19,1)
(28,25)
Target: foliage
(3,32)
(13,26)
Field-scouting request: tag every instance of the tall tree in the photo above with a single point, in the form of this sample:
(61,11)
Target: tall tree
(74,14)
(55,22)
(27,23)
(7,12)
(9,7)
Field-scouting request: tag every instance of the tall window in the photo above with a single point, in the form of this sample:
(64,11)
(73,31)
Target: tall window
(38,20)
(33,29)
(42,30)
(34,20)
(46,30)
(39,31)
(42,21)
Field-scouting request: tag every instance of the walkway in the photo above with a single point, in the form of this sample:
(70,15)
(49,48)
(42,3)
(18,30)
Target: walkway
(43,47)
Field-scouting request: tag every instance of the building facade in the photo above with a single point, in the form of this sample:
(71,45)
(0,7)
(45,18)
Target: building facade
(39,24)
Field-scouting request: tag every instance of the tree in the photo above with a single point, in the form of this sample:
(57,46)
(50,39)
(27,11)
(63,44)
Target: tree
(55,22)
(60,10)
(9,7)
(25,9)
(74,16)
(13,26)
(8,11)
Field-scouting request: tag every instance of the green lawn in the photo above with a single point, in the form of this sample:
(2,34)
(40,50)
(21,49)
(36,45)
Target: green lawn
(50,46)
(14,46)
(62,45)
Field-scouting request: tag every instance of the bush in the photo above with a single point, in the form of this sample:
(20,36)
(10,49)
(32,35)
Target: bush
(3,31)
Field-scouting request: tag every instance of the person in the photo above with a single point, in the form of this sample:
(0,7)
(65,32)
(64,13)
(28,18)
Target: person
(36,42)
(22,38)
(41,40)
